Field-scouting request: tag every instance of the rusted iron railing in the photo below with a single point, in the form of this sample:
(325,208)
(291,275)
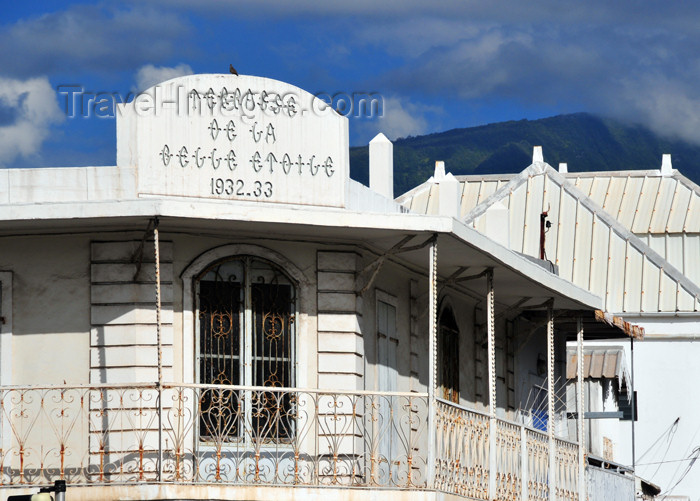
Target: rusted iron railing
(210,434)
(462,451)
(508,460)
(521,466)
(537,448)
(567,470)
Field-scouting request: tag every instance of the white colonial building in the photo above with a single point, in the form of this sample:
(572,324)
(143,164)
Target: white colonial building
(224,314)
(633,239)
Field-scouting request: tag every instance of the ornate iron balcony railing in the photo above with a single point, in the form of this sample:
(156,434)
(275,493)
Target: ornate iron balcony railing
(520,461)
(212,434)
(204,434)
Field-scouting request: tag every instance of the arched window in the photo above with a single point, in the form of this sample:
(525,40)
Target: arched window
(448,356)
(246,316)
(246,310)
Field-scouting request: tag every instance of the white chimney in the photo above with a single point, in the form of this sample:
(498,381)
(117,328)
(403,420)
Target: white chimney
(450,194)
(666,165)
(381,166)
(537,154)
(563,168)
(439,173)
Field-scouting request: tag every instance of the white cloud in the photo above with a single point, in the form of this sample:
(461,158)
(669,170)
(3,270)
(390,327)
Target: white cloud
(400,118)
(647,77)
(667,106)
(150,75)
(29,108)
(398,37)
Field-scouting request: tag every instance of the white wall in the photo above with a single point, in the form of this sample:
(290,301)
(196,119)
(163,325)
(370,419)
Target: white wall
(665,375)
(51,298)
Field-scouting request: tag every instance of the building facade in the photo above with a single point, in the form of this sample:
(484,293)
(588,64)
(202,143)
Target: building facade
(630,237)
(224,314)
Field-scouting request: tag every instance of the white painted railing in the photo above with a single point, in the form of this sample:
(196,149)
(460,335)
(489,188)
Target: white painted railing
(462,451)
(520,465)
(102,435)
(509,455)
(537,449)
(567,470)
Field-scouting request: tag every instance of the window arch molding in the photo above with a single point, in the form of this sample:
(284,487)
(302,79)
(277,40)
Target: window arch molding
(444,303)
(205,260)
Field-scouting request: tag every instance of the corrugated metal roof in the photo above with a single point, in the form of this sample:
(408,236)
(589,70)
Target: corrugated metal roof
(591,247)
(644,201)
(597,363)
(423,198)
(663,210)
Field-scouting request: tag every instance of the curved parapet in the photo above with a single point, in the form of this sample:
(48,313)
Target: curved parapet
(235,138)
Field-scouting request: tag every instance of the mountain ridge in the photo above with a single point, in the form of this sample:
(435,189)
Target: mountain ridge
(584,141)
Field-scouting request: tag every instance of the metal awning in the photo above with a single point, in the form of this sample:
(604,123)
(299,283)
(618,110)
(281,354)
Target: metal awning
(459,246)
(598,363)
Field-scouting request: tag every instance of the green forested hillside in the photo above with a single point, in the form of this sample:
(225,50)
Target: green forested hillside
(586,142)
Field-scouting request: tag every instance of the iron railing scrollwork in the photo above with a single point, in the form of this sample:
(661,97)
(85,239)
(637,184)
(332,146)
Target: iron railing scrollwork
(567,470)
(462,451)
(508,460)
(211,434)
(537,465)
(251,435)
(521,463)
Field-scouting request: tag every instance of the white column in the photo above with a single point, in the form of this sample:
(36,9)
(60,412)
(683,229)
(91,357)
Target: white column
(156,247)
(490,325)
(432,359)
(433,319)
(550,404)
(580,404)
(491,331)
(524,473)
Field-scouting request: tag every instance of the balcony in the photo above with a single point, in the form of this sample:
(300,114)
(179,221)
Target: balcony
(250,436)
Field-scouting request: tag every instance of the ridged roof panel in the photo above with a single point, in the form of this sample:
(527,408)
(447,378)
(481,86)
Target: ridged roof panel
(591,248)
(644,201)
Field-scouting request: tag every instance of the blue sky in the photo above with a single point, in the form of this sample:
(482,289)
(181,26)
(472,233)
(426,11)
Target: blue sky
(451,64)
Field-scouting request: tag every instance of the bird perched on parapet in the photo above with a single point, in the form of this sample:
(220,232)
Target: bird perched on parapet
(232,70)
